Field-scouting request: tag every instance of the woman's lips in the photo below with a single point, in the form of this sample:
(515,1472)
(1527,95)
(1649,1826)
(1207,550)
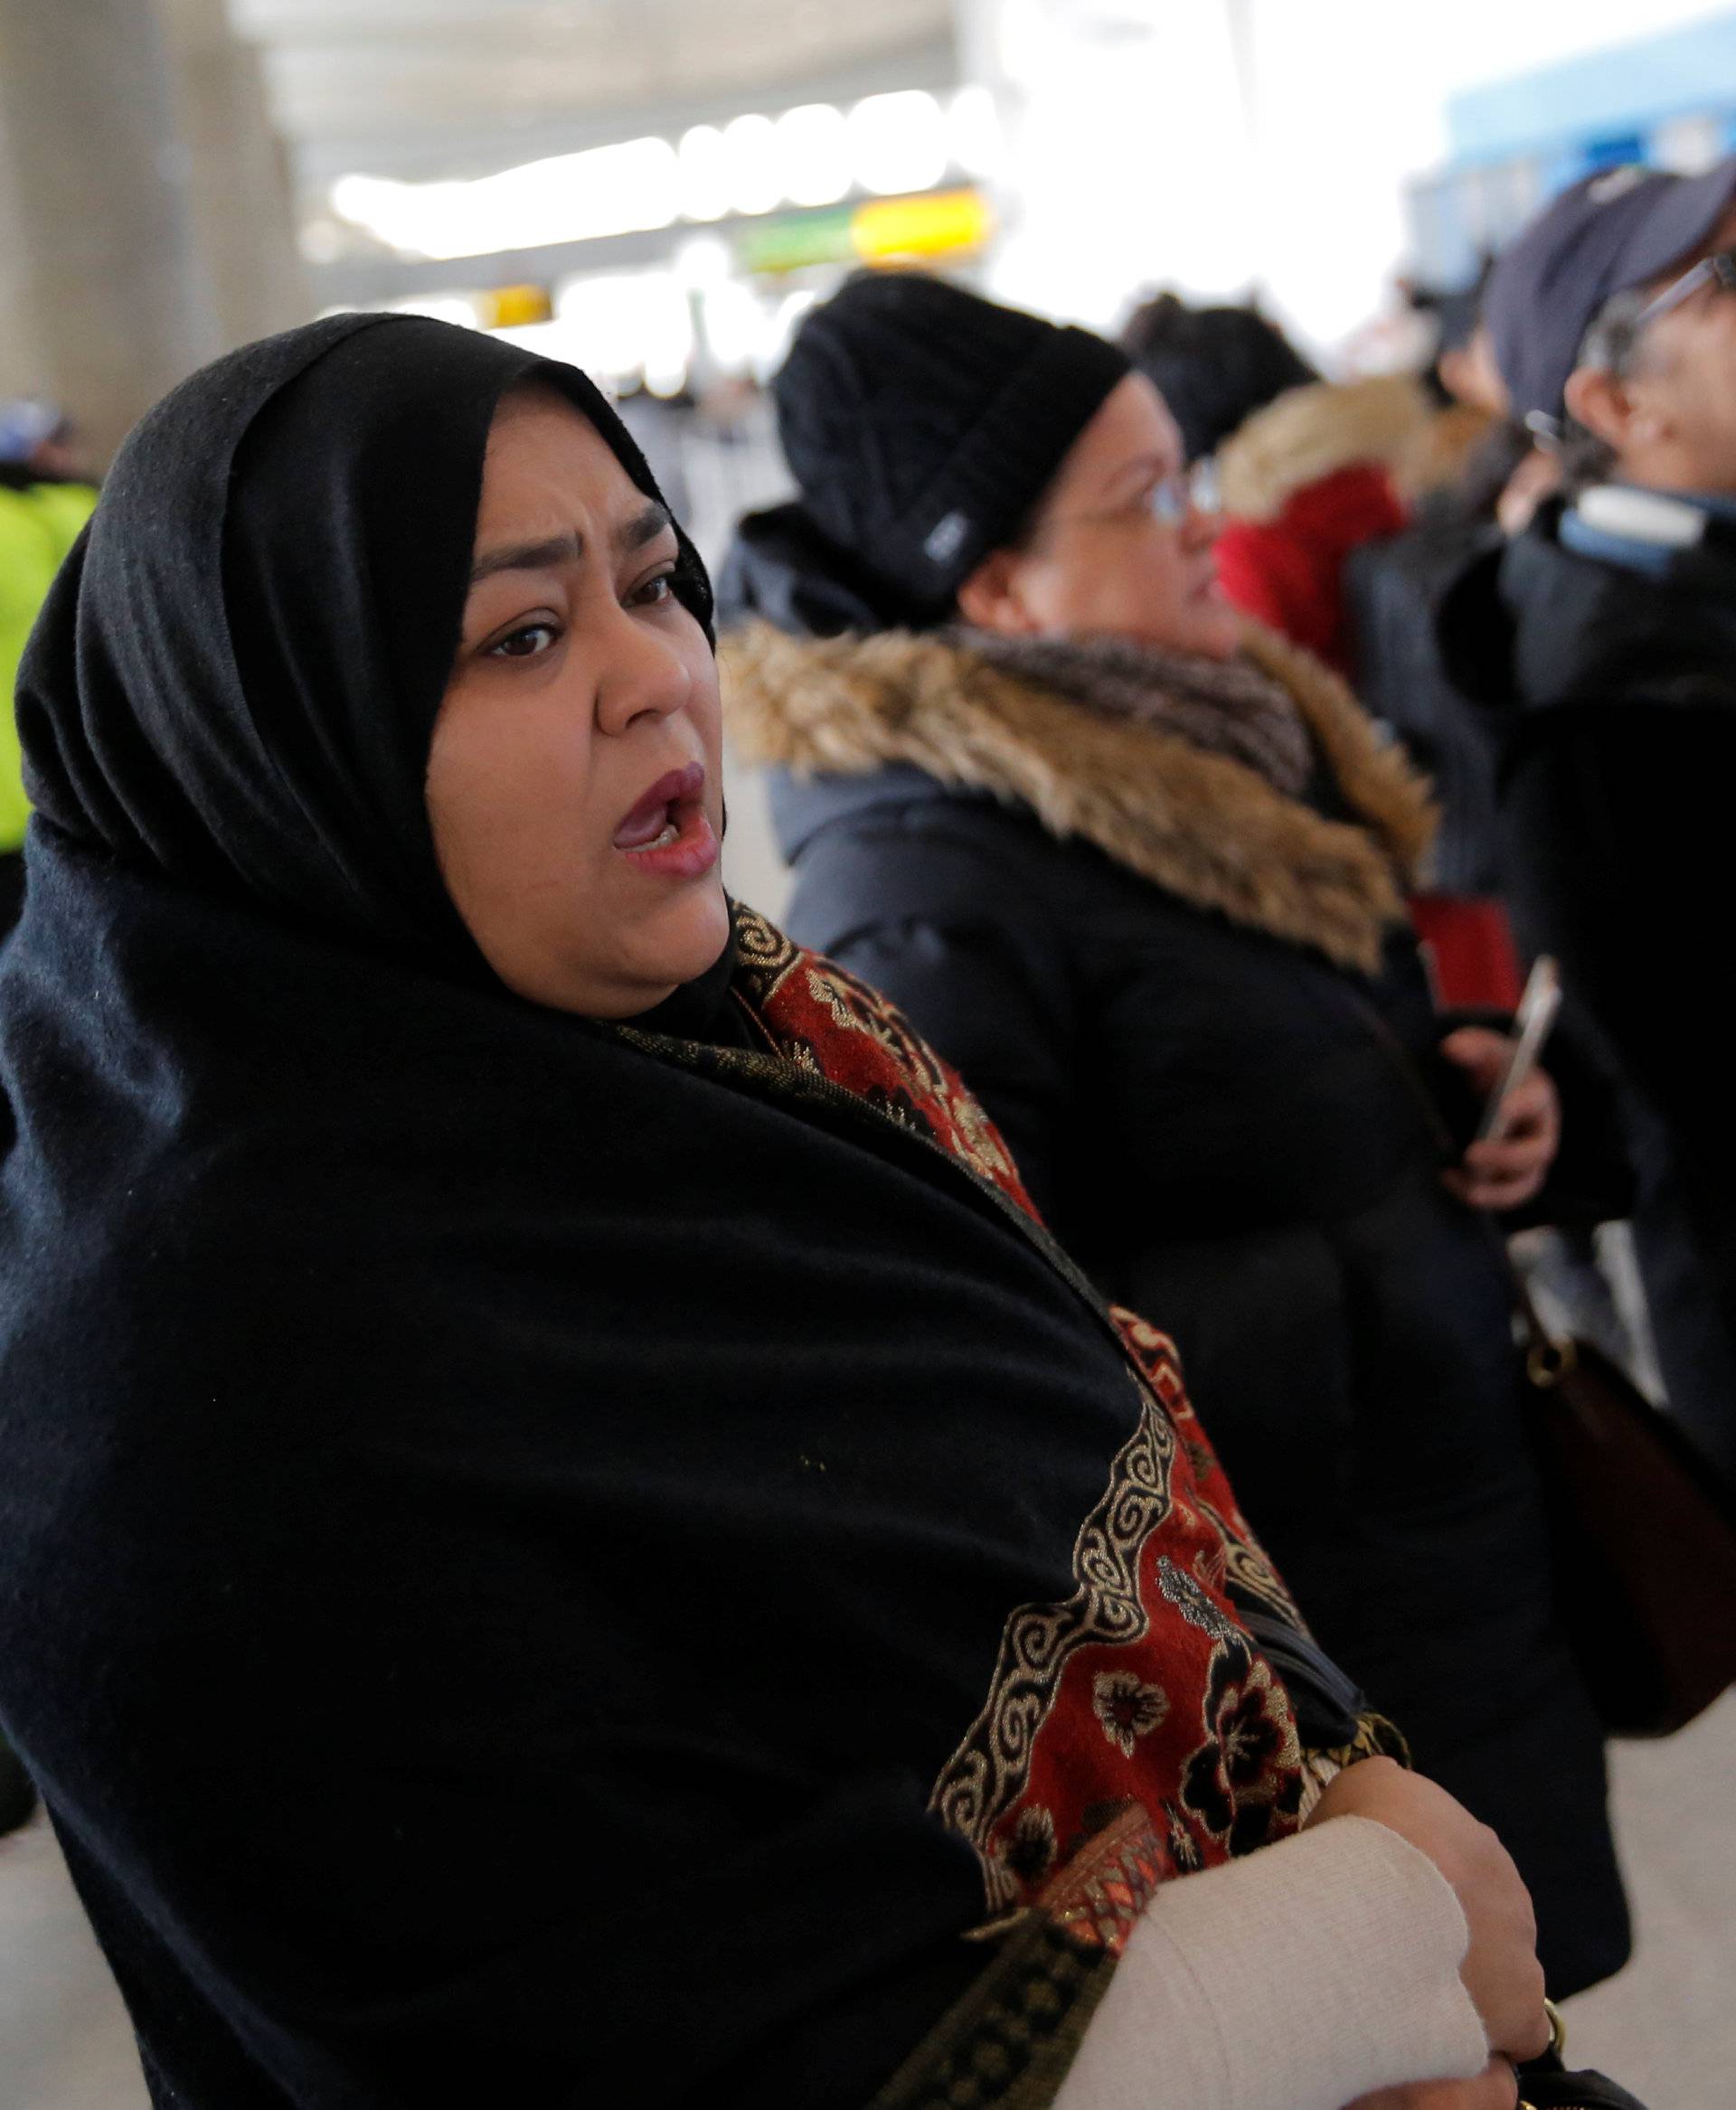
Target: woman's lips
(644,819)
(667,832)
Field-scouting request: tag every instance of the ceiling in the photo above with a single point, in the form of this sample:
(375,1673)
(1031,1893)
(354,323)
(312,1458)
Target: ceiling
(438,88)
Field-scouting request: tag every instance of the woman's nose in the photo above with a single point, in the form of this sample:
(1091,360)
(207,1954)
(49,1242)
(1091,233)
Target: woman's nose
(1202,527)
(642,676)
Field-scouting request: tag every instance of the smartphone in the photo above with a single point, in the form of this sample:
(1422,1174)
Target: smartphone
(1531,1028)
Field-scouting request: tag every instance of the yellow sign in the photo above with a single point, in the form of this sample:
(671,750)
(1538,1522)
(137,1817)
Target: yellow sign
(509,308)
(930,225)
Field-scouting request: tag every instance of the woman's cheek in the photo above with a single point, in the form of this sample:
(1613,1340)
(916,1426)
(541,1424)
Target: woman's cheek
(1157,606)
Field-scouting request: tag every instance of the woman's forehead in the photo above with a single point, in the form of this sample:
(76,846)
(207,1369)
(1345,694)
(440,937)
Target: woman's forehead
(1132,428)
(545,462)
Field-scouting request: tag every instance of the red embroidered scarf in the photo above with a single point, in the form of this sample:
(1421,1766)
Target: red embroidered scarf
(1135,1732)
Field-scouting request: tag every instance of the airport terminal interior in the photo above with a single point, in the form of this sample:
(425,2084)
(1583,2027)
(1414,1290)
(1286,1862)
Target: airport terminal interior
(1208,820)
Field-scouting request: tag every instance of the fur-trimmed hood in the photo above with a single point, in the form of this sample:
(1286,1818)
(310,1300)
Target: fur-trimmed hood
(1203,826)
(1310,432)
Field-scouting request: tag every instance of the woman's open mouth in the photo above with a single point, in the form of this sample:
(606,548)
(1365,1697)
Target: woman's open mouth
(667,832)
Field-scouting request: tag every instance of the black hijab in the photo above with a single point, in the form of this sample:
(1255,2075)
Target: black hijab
(502,1519)
(235,678)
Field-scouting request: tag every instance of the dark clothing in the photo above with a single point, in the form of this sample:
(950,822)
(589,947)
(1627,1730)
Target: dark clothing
(17,1796)
(506,1522)
(780,566)
(1394,589)
(1613,696)
(415,1729)
(12,890)
(1214,1127)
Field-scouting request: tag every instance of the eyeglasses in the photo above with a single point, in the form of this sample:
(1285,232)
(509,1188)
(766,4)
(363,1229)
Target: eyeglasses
(1170,501)
(1718,270)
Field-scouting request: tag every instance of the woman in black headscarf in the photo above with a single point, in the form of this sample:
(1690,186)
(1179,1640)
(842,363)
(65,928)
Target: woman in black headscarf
(563,1526)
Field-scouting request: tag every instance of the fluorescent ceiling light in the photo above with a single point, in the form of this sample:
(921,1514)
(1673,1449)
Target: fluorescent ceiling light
(752,164)
(570,197)
(814,144)
(898,142)
(812,155)
(703,162)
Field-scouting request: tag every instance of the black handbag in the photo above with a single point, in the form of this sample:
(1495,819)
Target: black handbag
(1644,1537)
(1547,2084)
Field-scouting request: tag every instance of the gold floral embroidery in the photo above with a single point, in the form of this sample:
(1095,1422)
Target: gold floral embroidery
(1128,1708)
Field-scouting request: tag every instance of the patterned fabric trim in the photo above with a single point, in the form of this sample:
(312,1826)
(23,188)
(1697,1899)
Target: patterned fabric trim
(989,1771)
(1007,2045)
(828,1022)
(1375,1738)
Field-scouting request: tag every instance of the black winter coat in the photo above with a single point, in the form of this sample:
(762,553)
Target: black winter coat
(1167,993)
(1613,697)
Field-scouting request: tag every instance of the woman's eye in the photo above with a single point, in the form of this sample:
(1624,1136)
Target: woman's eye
(525,644)
(654,592)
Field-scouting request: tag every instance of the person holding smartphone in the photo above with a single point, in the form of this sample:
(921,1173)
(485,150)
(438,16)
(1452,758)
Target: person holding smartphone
(1138,868)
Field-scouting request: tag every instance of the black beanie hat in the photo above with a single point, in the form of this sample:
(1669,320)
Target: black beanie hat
(922,423)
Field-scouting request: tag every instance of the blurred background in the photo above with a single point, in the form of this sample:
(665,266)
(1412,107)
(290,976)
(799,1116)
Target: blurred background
(177,177)
(180,175)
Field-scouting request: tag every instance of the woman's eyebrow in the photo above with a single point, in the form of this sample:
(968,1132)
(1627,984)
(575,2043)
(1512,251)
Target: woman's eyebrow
(644,527)
(539,555)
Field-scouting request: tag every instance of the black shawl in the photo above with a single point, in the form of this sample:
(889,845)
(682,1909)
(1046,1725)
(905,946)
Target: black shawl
(500,1525)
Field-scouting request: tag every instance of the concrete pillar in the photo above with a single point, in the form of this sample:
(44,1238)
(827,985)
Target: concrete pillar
(23,365)
(145,221)
(112,282)
(238,175)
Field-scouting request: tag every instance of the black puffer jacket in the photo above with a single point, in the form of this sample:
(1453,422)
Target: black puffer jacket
(1613,697)
(1165,989)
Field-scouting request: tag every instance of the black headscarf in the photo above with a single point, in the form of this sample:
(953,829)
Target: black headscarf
(235,678)
(502,1520)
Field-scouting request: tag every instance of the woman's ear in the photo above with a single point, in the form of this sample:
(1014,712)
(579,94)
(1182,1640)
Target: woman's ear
(991,598)
(1597,400)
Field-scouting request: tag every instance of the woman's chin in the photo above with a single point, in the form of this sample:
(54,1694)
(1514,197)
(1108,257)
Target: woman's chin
(1216,628)
(640,961)
(687,934)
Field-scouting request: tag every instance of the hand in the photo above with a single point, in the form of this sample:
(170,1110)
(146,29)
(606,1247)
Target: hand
(1507,1171)
(1531,482)
(1500,1972)
(1496,2087)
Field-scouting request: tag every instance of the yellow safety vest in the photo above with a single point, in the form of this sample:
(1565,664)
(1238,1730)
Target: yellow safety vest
(38,526)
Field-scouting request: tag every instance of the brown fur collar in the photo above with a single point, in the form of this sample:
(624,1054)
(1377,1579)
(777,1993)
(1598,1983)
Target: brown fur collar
(1199,824)
(1307,433)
